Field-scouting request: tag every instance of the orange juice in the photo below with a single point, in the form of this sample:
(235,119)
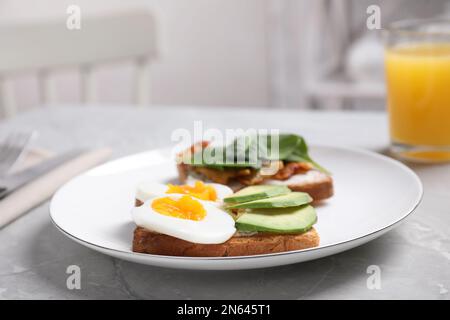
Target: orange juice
(418,83)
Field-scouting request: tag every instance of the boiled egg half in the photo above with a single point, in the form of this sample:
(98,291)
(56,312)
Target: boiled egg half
(212,192)
(185,217)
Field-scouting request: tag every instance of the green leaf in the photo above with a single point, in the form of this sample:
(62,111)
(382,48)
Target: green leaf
(227,156)
(291,147)
(301,154)
(288,143)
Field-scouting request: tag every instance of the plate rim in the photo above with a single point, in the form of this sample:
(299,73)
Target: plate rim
(258,256)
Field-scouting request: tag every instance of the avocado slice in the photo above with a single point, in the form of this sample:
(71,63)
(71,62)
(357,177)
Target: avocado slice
(292,199)
(256,192)
(286,220)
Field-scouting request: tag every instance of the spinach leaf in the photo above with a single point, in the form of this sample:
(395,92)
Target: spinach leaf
(251,151)
(301,154)
(287,144)
(238,154)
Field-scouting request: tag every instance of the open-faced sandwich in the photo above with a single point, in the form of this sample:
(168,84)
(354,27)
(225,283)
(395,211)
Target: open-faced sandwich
(294,167)
(270,210)
(196,222)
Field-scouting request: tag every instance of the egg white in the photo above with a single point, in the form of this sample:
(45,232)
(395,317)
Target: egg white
(148,190)
(216,227)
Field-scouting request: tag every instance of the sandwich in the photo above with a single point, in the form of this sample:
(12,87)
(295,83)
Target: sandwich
(209,220)
(293,165)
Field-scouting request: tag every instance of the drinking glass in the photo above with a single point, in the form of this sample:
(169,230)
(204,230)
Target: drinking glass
(417,65)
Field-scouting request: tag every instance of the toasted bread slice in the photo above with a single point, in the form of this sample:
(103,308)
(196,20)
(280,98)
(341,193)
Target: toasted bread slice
(145,241)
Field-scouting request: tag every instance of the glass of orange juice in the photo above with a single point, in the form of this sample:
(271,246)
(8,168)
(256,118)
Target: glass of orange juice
(417,65)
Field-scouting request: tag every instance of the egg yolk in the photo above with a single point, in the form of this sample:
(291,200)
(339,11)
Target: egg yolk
(199,190)
(183,208)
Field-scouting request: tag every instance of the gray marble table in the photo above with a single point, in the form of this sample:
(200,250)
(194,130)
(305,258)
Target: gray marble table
(414,258)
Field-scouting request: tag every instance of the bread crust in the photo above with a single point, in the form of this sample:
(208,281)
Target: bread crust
(145,241)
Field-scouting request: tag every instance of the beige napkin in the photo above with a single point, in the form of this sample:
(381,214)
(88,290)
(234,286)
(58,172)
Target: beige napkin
(42,188)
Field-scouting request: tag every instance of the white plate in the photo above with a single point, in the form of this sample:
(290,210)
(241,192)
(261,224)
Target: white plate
(373,194)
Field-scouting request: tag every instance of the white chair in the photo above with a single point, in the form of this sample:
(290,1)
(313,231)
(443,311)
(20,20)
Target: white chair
(328,84)
(44,47)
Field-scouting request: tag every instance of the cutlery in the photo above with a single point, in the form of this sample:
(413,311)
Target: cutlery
(11,148)
(12,182)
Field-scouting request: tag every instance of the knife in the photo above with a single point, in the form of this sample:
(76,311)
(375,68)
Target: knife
(12,182)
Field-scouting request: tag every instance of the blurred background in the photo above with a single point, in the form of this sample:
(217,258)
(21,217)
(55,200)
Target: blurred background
(254,53)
